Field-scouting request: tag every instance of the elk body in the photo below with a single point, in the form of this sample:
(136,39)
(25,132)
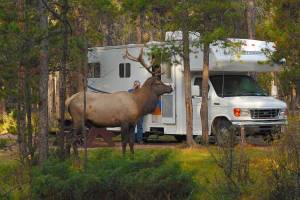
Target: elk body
(120,109)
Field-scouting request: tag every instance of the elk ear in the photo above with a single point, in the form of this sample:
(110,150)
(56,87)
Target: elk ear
(149,82)
(153,80)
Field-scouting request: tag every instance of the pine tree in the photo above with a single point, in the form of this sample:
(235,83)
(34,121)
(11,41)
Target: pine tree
(43,85)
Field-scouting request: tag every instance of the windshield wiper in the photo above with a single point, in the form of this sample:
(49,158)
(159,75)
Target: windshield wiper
(252,94)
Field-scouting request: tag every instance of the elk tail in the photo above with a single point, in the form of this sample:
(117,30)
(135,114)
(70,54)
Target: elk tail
(68,117)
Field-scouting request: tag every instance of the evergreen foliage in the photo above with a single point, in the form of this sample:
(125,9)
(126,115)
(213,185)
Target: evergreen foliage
(151,175)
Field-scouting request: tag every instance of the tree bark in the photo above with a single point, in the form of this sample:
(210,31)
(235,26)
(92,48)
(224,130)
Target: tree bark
(62,80)
(293,99)
(84,131)
(84,83)
(187,86)
(139,29)
(21,116)
(2,107)
(28,104)
(28,87)
(43,85)
(250,18)
(204,104)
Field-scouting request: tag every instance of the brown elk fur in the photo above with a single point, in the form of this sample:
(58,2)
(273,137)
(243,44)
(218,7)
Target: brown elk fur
(120,109)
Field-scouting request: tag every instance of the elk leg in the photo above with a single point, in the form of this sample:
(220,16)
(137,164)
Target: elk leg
(124,136)
(131,138)
(75,149)
(69,141)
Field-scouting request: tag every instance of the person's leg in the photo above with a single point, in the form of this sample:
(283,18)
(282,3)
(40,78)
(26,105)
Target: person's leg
(135,134)
(140,130)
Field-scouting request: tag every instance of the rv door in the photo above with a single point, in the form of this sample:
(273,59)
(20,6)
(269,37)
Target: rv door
(168,100)
(196,101)
(168,107)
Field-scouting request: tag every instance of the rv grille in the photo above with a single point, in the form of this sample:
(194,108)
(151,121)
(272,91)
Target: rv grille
(264,114)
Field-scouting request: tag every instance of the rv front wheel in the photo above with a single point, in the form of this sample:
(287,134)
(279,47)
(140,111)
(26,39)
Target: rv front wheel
(224,132)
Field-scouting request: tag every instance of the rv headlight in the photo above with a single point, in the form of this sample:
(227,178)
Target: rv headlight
(241,112)
(283,112)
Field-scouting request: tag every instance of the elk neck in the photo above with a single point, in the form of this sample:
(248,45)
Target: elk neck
(146,100)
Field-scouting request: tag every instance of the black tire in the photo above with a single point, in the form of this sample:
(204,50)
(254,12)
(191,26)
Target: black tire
(146,136)
(224,133)
(180,138)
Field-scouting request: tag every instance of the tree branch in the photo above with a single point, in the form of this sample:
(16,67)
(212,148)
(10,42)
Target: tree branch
(141,60)
(59,17)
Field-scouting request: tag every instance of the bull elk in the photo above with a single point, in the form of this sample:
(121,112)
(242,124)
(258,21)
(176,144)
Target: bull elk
(120,109)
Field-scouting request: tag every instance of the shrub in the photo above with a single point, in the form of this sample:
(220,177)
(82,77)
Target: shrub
(3,143)
(151,175)
(234,164)
(13,180)
(8,124)
(284,169)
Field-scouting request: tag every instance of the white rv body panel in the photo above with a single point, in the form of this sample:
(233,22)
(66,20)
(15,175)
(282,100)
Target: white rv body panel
(174,122)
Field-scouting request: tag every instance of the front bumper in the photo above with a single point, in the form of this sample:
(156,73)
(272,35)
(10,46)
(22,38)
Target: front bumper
(259,123)
(260,127)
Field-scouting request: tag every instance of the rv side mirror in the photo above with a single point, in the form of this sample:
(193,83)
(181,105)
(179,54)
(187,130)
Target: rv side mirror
(195,91)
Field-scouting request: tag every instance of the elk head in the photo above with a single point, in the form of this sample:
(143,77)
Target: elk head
(157,86)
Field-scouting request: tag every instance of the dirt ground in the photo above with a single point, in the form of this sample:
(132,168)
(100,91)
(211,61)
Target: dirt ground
(159,143)
(166,142)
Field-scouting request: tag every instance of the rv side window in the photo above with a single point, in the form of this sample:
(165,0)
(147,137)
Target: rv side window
(121,70)
(94,70)
(127,71)
(124,70)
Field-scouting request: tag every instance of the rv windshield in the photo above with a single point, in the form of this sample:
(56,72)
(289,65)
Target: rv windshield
(235,85)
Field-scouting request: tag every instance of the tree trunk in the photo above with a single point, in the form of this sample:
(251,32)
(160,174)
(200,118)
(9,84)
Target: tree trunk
(107,26)
(21,118)
(250,18)
(62,80)
(138,29)
(187,86)
(28,88)
(29,114)
(43,86)
(293,99)
(110,31)
(84,81)
(2,107)
(84,84)
(204,105)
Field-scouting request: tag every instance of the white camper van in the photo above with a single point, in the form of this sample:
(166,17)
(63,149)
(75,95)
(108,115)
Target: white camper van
(234,97)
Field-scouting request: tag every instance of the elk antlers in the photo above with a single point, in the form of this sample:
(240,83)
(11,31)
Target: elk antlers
(141,60)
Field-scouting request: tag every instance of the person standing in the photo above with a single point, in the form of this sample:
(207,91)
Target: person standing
(139,125)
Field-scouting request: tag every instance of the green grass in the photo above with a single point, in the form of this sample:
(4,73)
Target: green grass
(207,173)
(197,160)
(13,176)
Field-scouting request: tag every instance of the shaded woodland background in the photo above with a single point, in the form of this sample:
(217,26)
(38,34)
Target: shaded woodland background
(39,38)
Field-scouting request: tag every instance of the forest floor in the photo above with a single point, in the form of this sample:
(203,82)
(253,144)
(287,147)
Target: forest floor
(167,141)
(199,159)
